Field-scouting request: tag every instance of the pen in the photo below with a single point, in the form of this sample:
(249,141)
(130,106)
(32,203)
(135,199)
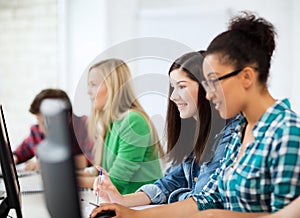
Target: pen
(91,203)
(99,182)
(96,205)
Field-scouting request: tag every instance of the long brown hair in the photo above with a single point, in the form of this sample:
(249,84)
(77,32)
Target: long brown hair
(188,136)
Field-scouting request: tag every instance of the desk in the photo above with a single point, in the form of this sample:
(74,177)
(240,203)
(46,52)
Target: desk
(33,204)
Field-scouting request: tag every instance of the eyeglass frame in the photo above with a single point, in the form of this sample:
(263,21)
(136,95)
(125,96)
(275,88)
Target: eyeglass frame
(209,85)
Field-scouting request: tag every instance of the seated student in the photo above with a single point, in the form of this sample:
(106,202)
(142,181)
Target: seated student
(187,107)
(27,149)
(290,211)
(260,172)
(126,142)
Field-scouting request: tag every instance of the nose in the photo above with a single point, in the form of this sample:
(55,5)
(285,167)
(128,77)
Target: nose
(209,95)
(174,95)
(89,90)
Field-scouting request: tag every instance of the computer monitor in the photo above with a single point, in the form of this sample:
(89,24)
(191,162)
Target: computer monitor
(10,177)
(56,162)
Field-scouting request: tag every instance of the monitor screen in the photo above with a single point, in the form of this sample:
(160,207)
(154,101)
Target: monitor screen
(10,177)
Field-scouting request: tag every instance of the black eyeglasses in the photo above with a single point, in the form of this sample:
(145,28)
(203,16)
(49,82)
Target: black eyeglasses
(209,85)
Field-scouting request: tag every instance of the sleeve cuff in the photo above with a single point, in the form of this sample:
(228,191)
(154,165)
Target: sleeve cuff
(154,193)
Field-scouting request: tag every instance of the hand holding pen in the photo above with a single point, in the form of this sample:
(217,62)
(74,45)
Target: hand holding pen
(99,181)
(106,189)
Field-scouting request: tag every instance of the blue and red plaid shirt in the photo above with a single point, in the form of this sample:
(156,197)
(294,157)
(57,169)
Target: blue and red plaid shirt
(79,139)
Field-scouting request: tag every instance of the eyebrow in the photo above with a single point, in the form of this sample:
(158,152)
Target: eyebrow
(211,73)
(181,81)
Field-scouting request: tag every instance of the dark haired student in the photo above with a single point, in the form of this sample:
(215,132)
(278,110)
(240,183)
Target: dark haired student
(260,173)
(27,149)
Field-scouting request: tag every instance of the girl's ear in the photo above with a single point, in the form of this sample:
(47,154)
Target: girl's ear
(248,76)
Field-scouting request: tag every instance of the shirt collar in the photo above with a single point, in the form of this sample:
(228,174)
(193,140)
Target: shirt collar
(268,117)
(265,120)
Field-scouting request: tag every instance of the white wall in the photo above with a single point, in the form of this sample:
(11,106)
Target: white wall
(194,23)
(47,43)
(28,59)
(86,35)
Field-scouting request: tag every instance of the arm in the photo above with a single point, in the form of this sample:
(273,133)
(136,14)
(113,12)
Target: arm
(85,181)
(110,194)
(202,173)
(284,160)
(180,209)
(290,211)
(128,155)
(80,161)
(217,213)
(27,149)
(159,192)
(147,194)
(172,181)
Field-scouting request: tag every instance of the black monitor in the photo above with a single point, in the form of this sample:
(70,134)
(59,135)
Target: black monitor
(10,177)
(56,162)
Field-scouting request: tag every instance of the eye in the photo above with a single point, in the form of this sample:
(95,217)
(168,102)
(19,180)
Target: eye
(94,85)
(182,87)
(213,81)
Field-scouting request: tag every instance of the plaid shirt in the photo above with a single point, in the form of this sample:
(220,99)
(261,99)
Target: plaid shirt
(79,140)
(267,176)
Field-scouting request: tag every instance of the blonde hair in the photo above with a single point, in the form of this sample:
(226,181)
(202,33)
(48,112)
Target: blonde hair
(120,99)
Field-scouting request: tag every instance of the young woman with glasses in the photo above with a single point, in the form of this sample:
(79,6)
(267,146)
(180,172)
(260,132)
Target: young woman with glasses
(260,173)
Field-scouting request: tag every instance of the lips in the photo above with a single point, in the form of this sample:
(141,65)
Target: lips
(217,105)
(181,106)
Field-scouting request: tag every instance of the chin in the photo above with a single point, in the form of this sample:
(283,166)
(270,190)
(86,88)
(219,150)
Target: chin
(182,116)
(185,116)
(223,115)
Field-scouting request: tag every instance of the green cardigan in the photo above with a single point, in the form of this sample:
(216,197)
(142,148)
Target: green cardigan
(128,156)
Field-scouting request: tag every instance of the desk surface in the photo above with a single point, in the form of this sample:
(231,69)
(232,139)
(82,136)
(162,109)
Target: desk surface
(34,204)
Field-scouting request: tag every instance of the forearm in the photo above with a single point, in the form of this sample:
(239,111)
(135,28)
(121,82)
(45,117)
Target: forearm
(80,161)
(185,208)
(290,211)
(135,199)
(219,213)
(85,181)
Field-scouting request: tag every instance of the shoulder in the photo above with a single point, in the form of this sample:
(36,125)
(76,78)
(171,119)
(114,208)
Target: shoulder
(134,117)
(34,128)
(287,126)
(285,122)
(134,120)
(283,116)
(283,131)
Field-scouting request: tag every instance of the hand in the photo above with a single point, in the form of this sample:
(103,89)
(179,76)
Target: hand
(32,165)
(108,192)
(121,211)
